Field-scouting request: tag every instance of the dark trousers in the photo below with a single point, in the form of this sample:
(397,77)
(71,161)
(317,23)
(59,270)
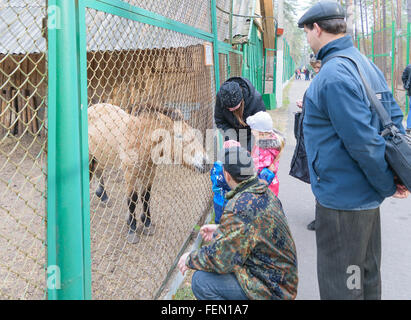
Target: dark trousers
(348,254)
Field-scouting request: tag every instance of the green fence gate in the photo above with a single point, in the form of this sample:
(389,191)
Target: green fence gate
(389,49)
(142,69)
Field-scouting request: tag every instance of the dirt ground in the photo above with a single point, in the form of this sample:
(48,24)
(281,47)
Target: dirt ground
(120,270)
(22,219)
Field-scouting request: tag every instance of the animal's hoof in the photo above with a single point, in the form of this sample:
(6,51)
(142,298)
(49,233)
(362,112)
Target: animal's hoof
(104,197)
(106,204)
(149,231)
(132,223)
(132,237)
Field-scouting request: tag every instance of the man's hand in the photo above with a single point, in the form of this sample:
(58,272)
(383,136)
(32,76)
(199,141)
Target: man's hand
(299,103)
(182,263)
(207,231)
(402,192)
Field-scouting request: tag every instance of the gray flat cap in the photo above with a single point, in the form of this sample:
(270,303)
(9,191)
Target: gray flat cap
(323,10)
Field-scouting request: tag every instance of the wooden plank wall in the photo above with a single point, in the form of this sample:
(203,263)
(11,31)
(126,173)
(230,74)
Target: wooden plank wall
(23,94)
(131,79)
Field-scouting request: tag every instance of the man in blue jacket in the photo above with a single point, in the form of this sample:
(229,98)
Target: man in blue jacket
(349,175)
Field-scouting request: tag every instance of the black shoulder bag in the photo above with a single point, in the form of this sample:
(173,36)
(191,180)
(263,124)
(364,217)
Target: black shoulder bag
(299,163)
(398,145)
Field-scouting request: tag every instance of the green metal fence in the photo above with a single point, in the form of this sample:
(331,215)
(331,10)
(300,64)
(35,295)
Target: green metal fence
(289,64)
(270,72)
(147,60)
(389,49)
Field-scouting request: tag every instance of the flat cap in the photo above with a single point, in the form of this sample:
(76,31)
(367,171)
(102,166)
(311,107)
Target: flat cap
(323,10)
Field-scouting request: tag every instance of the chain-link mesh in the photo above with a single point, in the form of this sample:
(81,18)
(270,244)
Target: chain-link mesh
(224,72)
(236,64)
(194,13)
(223,19)
(22,149)
(143,79)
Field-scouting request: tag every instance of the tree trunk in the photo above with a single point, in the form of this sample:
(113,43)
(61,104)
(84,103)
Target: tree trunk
(350,17)
(366,15)
(384,34)
(362,29)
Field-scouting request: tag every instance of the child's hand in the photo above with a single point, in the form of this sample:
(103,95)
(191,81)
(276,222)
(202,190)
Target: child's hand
(267,175)
(207,231)
(272,166)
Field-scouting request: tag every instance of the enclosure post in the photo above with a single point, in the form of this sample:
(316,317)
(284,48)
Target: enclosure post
(215,44)
(265,66)
(275,63)
(216,60)
(66,203)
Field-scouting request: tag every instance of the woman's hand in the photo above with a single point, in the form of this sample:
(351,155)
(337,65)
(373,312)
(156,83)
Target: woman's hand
(207,231)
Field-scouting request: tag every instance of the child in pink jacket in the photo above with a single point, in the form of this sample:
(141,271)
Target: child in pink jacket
(269,144)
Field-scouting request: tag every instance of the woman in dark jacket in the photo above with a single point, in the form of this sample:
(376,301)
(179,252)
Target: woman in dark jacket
(237,100)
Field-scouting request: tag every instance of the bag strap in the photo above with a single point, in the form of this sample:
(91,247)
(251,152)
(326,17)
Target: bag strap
(388,125)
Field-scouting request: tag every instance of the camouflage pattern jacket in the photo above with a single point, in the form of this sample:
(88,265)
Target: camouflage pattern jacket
(254,242)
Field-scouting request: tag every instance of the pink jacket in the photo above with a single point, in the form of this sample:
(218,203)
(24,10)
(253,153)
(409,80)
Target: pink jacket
(264,154)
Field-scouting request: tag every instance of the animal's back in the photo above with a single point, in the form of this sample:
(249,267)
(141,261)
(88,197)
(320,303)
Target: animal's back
(107,132)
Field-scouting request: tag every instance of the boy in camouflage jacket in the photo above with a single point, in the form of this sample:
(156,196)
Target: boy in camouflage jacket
(253,241)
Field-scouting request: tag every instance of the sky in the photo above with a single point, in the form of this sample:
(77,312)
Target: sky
(302,7)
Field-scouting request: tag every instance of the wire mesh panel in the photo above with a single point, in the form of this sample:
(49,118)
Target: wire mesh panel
(194,13)
(151,99)
(236,64)
(22,149)
(223,19)
(224,72)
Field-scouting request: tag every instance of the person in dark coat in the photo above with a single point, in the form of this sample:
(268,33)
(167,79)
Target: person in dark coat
(236,100)
(307,74)
(406,79)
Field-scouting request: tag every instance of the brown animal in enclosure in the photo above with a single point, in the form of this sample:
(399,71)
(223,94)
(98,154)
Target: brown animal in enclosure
(138,144)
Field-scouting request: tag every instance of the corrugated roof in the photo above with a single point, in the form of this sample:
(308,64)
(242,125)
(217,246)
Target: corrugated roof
(109,32)
(242,9)
(21,26)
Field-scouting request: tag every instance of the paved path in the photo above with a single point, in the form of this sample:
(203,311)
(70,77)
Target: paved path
(298,203)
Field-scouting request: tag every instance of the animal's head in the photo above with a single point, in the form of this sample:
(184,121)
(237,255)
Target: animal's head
(189,145)
(176,142)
